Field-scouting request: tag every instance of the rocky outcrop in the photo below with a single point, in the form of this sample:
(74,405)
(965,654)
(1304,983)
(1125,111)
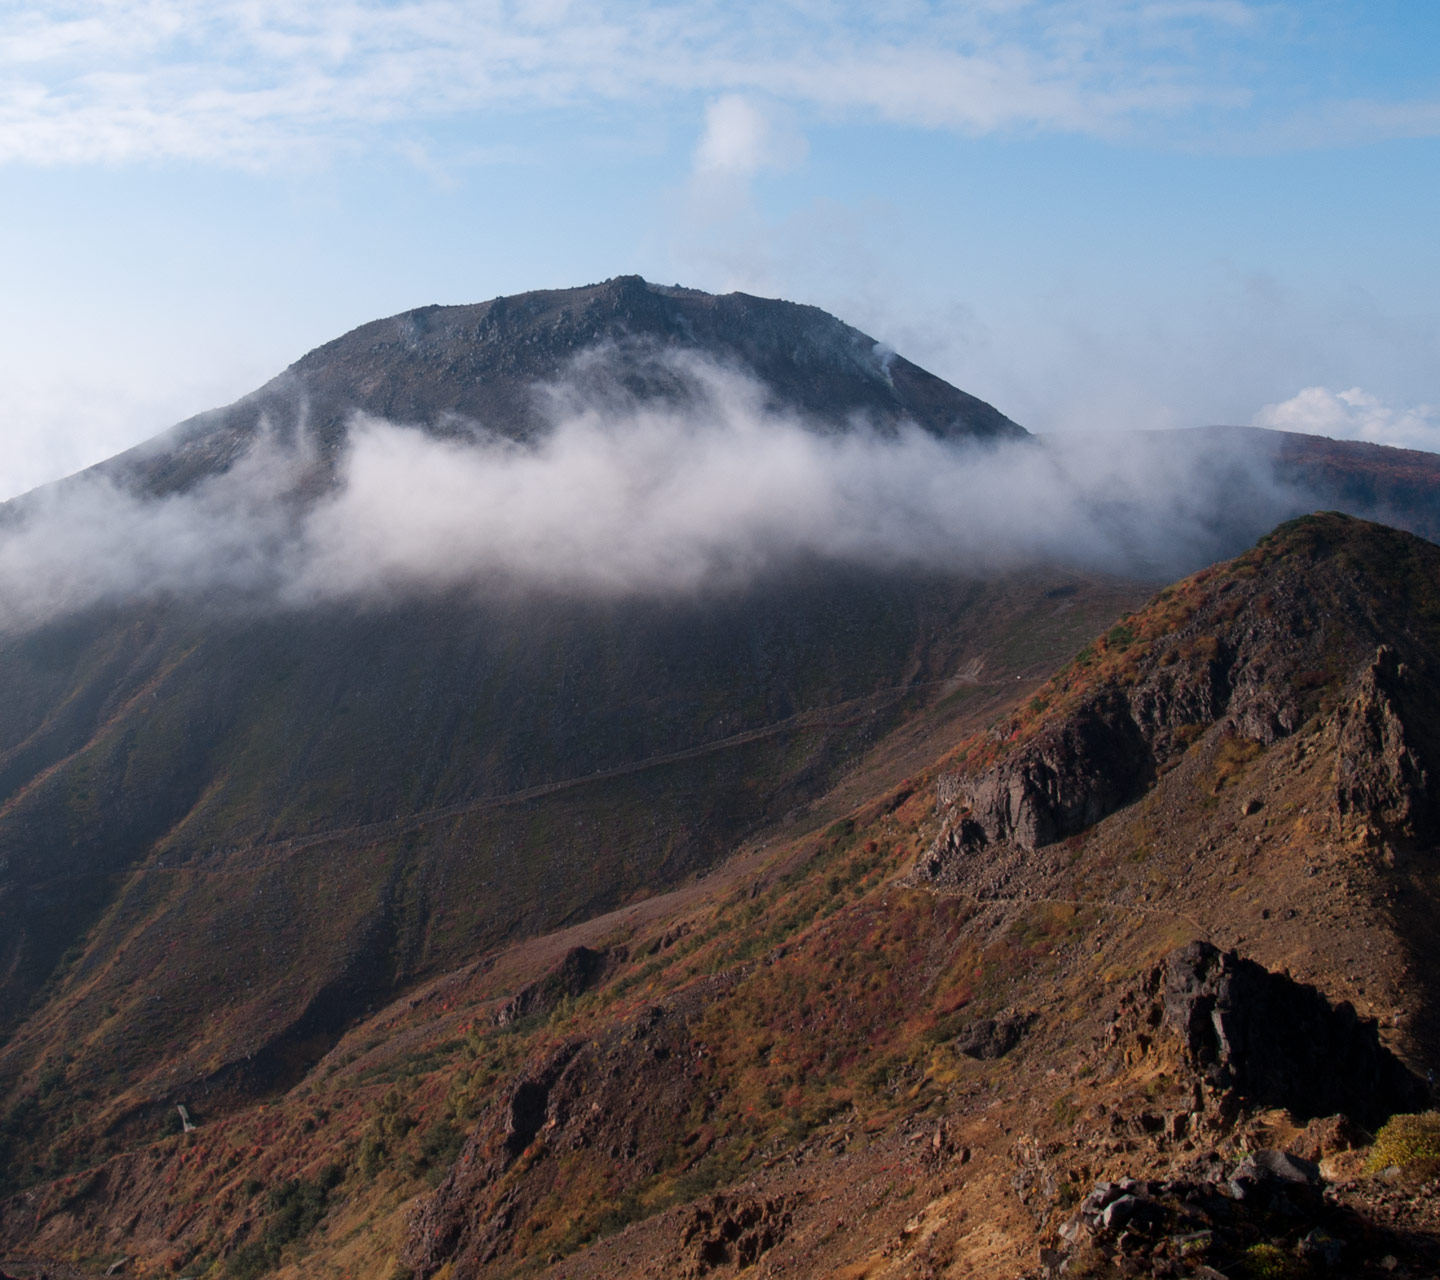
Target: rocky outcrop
(529,1105)
(1276,1042)
(1380,772)
(991,1038)
(1088,766)
(1268,1208)
(1105,752)
(581,969)
(1254,650)
(730,1231)
(610,1103)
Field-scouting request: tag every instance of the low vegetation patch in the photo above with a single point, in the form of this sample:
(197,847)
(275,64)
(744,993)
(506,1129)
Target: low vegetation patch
(295,1209)
(1409,1142)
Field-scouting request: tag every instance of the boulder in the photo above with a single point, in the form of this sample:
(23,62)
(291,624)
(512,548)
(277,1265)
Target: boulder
(990,1038)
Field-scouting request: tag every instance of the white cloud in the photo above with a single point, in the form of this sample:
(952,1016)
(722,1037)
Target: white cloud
(1355,414)
(741,138)
(116,81)
(624,498)
(55,422)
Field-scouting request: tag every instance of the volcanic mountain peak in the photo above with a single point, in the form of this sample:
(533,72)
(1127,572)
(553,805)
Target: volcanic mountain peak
(453,369)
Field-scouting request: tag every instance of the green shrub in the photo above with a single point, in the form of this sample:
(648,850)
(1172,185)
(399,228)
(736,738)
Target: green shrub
(1265,1261)
(373,1154)
(441,1145)
(296,1208)
(252,1261)
(1410,1141)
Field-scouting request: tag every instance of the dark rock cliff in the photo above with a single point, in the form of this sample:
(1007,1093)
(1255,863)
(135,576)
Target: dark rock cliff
(1280,1043)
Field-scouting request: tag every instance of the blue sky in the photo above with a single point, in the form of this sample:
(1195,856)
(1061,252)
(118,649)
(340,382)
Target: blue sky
(1095,213)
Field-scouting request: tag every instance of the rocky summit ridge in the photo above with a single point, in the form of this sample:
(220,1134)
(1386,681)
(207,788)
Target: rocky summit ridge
(454,370)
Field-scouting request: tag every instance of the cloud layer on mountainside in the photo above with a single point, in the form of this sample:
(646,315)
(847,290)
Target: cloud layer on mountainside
(623,496)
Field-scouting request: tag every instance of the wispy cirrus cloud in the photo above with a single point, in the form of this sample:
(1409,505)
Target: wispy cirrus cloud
(116,81)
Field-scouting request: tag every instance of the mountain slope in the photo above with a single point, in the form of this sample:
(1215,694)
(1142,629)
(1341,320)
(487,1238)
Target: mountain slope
(300,811)
(475,774)
(880,1050)
(229,834)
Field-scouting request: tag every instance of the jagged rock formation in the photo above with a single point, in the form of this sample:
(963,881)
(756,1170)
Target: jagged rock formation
(1250,1040)
(1382,775)
(730,1231)
(1248,649)
(1279,1043)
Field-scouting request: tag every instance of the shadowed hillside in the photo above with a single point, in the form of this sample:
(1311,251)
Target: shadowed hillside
(884,1047)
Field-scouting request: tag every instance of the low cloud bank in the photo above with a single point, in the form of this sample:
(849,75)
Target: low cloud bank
(622,497)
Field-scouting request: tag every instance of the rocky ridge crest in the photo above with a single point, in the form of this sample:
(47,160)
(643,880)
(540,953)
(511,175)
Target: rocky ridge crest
(1254,647)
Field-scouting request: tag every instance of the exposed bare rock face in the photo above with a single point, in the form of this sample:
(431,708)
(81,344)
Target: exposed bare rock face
(994,1037)
(1380,768)
(1255,649)
(730,1231)
(1280,1043)
(1086,767)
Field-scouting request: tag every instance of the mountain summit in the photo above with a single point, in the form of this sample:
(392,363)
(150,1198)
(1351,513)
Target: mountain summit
(455,369)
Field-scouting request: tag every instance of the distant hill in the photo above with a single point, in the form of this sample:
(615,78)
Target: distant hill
(1203,494)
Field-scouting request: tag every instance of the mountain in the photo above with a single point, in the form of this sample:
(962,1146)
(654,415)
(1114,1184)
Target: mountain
(230,829)
(453,369)
(391,893)
(1173,501)
(1112,985)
